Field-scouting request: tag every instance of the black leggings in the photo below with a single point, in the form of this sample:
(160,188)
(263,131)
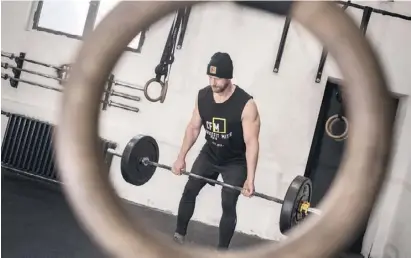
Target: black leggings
(231,174)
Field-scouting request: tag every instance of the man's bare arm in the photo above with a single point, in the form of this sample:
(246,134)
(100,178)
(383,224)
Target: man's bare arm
(251,132)
(193,129)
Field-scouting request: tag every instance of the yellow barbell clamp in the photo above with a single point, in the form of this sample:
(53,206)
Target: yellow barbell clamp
(304,207)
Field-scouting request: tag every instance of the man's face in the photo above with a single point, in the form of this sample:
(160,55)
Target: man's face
(218,85)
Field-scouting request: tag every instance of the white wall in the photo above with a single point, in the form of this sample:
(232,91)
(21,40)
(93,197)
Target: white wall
(288,102)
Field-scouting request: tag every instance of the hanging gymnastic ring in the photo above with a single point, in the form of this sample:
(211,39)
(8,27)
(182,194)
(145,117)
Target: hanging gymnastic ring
(163,93)
(329,127)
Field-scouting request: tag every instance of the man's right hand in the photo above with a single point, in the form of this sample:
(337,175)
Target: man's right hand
(178,166)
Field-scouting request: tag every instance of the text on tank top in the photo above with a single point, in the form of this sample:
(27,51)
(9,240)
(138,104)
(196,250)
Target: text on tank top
(223,125)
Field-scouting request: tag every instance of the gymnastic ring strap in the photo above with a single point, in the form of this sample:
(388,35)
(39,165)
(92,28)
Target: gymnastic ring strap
(330,123)
(163,93)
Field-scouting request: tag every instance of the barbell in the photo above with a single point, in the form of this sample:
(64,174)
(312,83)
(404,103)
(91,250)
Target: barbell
(362,171)
(16,58)
(139,161)
(15,68)
(110,103)
(63,74)
(60,80)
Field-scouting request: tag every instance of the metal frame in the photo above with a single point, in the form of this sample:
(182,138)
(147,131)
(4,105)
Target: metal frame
(109,87)
(88,26)
(324,55)
(17,72)
(282,44)
(367,12)
(376,10)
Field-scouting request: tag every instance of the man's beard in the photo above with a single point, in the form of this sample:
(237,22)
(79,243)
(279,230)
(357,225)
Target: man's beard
(219,89)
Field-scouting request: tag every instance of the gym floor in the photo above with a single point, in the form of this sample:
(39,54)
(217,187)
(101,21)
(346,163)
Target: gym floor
(37,222)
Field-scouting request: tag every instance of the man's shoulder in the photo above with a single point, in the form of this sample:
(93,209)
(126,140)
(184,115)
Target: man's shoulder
(245,93)
(204,91)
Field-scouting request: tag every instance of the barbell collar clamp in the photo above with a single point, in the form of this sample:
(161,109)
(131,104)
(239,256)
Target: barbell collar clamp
(145,161)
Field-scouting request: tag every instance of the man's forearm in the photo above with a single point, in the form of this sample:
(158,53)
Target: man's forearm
(190,137)
(252,158)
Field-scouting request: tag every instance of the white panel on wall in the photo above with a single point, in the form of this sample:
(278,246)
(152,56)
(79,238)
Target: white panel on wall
(64,16)
(105,6)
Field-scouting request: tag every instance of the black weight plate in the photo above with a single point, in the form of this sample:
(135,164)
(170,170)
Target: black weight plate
(132,169)
(300,190)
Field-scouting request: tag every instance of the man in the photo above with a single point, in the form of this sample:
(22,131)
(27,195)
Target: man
(231,120)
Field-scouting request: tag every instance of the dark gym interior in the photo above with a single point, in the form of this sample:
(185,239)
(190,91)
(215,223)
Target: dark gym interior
(326,153)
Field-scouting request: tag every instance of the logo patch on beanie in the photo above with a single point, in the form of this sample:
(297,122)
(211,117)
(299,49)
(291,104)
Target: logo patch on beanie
(213,69)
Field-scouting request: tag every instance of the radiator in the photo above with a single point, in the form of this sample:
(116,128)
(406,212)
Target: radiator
(27,147)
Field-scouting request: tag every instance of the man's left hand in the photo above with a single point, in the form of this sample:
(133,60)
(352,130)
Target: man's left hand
(248,188)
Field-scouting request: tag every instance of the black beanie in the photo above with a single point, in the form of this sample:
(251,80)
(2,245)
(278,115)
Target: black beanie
(220,66)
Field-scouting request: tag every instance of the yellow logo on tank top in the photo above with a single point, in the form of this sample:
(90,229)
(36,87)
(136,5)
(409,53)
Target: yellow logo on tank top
(216,129)
(219,125)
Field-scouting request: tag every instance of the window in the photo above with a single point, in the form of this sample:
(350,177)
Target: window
(105,7)
(58,16)
(75,19)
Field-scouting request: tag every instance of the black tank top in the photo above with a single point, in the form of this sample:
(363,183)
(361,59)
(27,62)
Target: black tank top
(223,125)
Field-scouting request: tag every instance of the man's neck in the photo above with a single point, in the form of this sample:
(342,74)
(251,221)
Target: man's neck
(223,96)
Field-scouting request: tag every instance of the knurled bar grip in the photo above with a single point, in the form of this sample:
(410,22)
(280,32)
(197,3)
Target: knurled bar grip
(82,167)
(261,195)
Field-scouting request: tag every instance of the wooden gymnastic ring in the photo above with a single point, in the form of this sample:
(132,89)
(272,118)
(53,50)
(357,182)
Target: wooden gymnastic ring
(95,203)
(329,127)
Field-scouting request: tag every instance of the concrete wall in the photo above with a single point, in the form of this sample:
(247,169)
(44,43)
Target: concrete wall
(288,102)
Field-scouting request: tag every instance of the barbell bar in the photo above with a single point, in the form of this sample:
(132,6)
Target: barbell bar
(147,162)
(139,161)
(14,57)
(60,80)
(127,85)
(109,102)
(13,67)
(123,95)
(6,76)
